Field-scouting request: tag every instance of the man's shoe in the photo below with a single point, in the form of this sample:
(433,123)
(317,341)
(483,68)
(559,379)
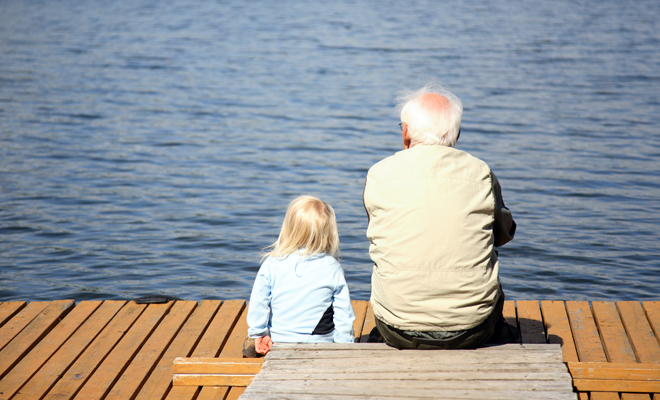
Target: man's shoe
(505,333)
(375,336)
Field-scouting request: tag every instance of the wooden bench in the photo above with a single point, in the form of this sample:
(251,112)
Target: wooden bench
(374,370)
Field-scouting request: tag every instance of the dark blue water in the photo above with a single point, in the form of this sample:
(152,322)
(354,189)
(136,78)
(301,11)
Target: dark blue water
(152,146)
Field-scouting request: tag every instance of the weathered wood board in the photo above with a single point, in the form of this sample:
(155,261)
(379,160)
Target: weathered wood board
(533,371)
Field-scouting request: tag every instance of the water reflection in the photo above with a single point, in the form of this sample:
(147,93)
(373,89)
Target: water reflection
(150,147)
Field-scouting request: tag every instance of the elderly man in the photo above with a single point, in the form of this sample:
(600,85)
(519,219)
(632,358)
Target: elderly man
(435,217)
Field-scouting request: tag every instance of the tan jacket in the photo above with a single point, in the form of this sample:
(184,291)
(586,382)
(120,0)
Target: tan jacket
(435,215)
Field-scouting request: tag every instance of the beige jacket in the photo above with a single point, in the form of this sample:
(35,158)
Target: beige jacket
(435,215)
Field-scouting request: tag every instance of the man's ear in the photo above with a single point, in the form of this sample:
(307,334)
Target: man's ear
(405,136)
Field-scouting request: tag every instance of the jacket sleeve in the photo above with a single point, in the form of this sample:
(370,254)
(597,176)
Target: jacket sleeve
(259,308)
(364,203)
(504,227)
(343,312)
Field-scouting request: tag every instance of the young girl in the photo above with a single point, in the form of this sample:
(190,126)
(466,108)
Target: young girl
(300,293)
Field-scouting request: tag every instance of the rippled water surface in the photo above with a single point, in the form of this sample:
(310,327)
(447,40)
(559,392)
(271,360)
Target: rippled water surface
(152,146)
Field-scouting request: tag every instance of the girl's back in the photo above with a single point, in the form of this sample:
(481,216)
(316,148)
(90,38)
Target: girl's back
(302,292)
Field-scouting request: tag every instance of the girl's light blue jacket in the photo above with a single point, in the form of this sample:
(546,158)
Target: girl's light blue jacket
(291,295)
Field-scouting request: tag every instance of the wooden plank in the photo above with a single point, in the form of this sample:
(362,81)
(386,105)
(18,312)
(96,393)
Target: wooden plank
(634,396)
(585,333)
(333,387)
(509,313)
(385,387)
(334,346)
(382,346)
(232,349)
(29,365)
(360,310)
(410,378)
(222,393)
(400,388)
(320,374)
(602,385)
(615,371)
(218,333)
(357,347)
(613,335)
(19,321)
(604,396)
(159,381)
(341,366)
(36,330)
(369,324)
(529,358)
(212,395)
(642,339)
(439,394)
(100,382)
(82,369)
(652,310)
(365,352)
(234,393)
(8,309)
(447,357)
(558,328)
(404,388)
(133,378)
(212,365)
(211,380)
(531,323)
(611,390)
(59,363)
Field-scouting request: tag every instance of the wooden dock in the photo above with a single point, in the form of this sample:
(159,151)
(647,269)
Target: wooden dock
(123,350)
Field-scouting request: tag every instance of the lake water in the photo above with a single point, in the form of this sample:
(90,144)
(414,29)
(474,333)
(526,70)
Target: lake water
(152,146)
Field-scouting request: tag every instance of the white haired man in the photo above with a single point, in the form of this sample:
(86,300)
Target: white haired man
(436,215)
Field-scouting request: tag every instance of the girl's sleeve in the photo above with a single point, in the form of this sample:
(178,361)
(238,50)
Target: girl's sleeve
(259,308)
(343,312)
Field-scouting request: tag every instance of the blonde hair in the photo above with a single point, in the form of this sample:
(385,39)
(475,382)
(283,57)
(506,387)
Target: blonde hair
(309,228)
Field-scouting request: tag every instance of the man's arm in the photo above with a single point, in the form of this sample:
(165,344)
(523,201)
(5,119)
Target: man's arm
(364,190)
(504,227)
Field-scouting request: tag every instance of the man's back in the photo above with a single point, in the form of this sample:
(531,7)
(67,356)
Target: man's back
(431,214)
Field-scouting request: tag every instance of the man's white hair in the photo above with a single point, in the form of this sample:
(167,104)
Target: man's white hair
(430,125)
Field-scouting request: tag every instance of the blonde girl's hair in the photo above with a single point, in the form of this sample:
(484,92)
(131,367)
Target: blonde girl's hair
(309,228)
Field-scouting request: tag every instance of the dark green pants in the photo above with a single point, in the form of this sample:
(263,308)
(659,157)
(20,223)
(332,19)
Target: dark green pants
(494,325)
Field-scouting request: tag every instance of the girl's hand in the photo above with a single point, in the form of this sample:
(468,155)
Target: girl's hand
(262,344)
